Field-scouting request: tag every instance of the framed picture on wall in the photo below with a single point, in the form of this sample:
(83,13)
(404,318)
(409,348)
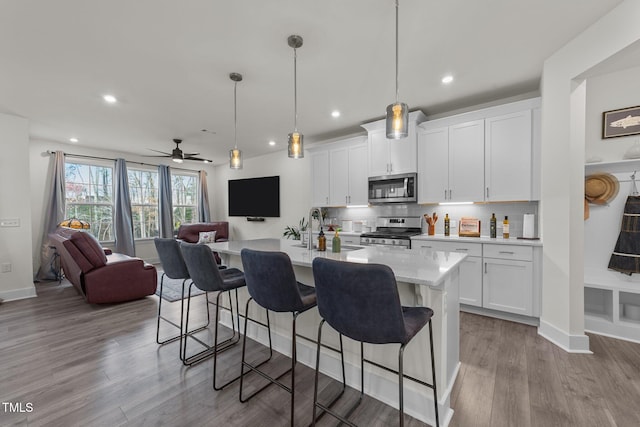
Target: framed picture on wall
(622,122)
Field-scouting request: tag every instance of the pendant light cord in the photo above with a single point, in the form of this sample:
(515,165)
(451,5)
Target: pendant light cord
(295,91)
(235,116)
(397,89)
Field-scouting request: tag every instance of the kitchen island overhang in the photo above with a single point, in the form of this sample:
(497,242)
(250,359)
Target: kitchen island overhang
(425,278)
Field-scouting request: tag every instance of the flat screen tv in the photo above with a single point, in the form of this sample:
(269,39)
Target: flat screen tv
(255,197)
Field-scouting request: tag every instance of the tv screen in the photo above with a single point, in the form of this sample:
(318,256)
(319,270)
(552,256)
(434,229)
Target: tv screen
(255,197)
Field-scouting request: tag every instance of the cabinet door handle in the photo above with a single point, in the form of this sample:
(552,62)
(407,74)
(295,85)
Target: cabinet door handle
(487,192)
(426,247)
(349,199)
(445,194)
(462,249)
(485,268)
(449,194)
(346,199)
(507,252)
(390,167)
(327,200)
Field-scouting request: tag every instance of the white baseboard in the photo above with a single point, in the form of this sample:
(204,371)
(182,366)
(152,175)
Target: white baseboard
(380,385)
(16,294)
(567,342)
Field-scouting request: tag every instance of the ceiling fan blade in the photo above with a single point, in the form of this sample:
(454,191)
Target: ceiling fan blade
(164,157)
(196,159)
(158,151)
(190,154)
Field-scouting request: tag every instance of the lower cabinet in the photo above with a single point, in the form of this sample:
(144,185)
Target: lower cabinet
(499,277)
(508,279)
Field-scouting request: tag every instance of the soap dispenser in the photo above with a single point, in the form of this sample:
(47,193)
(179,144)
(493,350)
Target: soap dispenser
(322,241)
(335,243)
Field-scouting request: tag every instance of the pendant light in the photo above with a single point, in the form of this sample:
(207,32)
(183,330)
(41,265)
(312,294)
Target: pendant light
(397,122)
(296,139)
(235,155)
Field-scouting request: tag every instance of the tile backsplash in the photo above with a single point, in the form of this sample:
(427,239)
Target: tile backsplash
(482,211)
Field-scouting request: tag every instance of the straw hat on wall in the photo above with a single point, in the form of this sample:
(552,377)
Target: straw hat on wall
(599,189)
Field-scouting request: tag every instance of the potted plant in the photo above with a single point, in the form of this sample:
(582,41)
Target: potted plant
(293,232)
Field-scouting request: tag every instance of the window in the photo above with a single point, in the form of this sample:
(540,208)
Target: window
(185,198)
(143,189)
(89,197)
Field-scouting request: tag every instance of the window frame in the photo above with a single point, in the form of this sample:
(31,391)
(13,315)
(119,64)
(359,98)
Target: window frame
(174,205)
(143,168)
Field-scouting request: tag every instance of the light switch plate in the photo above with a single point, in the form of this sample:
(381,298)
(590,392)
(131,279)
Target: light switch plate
(10,222)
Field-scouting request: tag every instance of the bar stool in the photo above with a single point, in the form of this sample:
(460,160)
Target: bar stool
(361,301)
(173,267)
(272,284)
(206,276)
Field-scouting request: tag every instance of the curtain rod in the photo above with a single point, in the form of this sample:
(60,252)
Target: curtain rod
(84,156)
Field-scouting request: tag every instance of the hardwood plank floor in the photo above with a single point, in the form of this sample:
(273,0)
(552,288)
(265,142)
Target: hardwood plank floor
(89,365)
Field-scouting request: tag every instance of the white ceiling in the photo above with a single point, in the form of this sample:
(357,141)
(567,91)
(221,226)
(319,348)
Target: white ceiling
(168,63)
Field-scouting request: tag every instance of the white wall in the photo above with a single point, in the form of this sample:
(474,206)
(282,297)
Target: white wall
(15,242)
(40,161)
(562,160)
(610,92)
(295,198)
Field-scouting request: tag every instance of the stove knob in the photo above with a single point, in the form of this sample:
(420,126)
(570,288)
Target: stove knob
(393,242)
(383,241)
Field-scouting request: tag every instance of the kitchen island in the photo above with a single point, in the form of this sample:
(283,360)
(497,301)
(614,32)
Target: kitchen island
(425,278)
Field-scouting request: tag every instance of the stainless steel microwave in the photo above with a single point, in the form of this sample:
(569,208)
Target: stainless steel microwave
(393,188)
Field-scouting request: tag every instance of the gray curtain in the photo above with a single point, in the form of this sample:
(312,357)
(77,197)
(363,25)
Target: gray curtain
(165,203)
(53,215)
(203,198)
(122,218)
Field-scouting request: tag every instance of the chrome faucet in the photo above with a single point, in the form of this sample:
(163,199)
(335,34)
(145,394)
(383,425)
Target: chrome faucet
(311,212)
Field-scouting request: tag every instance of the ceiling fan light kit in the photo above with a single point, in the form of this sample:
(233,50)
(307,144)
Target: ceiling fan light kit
(295,142)
(397,122)
(235,155)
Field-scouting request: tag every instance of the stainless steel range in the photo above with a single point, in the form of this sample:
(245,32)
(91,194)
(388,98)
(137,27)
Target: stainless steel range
(393,231)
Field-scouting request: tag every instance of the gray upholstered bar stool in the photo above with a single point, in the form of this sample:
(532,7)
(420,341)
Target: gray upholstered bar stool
(173,267)
(361,301)
(206,276)
(272,284)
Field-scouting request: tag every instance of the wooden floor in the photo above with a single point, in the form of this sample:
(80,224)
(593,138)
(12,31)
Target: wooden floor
(88,365)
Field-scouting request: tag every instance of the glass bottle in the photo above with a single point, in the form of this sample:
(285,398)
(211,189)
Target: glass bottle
(322,241)
(335,243)
(447,227)
(505,227)
(493,226)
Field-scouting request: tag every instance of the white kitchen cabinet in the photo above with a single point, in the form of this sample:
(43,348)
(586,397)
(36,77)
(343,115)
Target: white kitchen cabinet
(484,155)
(320,178)
(470,268)
(508,157)
(339,173)
(451,163)
(508,279)
(348,175)
(392,156)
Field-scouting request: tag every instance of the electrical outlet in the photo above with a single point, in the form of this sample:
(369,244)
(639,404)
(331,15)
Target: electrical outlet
(5,267)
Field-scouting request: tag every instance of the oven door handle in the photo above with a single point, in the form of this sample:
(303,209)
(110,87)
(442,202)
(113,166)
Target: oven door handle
(406,187)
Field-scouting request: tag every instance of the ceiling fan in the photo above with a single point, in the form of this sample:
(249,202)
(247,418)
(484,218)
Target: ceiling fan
(178,156)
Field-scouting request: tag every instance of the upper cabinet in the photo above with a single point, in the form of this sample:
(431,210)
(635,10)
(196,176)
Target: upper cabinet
(392,156)
(339,173)
(486,155)
(508,157)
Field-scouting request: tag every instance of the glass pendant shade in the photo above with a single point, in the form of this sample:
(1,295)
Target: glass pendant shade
(397,123)
(296,145)
(235,159)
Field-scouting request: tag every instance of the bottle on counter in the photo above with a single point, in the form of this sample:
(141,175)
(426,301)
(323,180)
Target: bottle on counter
(505,227)
(322,241)
(493,226)
(335,243)
(447,225)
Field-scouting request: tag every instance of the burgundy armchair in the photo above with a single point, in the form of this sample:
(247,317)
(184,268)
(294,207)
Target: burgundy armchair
(99,275)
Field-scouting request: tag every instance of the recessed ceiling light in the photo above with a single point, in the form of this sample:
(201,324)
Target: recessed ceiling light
(73,140)
(272,143)
(335,113)
(447,79)
(110,99)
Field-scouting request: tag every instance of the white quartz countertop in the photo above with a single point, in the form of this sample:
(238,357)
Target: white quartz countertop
(429,268)
(481,239)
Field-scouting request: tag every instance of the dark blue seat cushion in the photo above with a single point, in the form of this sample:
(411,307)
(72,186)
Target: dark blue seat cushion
(272,282)
(361,301)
